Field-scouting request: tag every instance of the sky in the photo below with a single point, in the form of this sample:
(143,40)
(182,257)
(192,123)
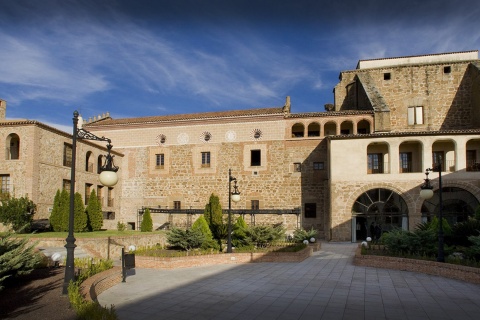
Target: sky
(148,58)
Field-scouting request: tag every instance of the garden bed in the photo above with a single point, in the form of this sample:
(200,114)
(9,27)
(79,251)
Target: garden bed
(447,270)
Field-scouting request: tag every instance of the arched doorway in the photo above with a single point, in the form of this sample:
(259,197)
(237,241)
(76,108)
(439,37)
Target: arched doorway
(458,205)
(378,207)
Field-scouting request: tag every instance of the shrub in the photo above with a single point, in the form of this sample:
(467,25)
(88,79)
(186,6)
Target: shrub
(299,235)
(185,239)
(17,212)
(473,252)
(80,217)
(263,236)
(121,226)
(56,214)
(214,216)
(94,213)
(16,258)
(239,236)
(463,230)
(89,310)
(208,242)
(147,223)
(421,242)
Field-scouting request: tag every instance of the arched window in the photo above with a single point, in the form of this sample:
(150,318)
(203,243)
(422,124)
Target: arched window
(12,147)
(346,127)
(314,129)
(363,127)
(89,162)
(330,128)
(377,158)
(99,164)
(379,208)
(298,130)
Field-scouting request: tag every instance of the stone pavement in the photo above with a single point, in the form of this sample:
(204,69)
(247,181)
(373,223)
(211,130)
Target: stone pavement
(324,286)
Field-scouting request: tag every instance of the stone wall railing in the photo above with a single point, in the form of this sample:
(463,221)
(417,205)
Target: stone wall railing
(95,285)
(447,270)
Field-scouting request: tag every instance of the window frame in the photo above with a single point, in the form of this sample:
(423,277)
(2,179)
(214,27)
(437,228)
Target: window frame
(310,210)
(256,158)
(206,159)
(5,183)
(159,161)
(318,165)
(415,115)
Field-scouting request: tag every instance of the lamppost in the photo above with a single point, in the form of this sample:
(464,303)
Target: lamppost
(426,193)
(235,197)
(108,177)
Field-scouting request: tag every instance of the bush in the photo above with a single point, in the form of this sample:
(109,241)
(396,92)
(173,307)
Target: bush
(89,310)
(80,217)
(463,230)
(421,242)
(17,258)
(239,236)
(17,212)
(121,226)
(263,236)
(299,235)
(185,239)
(208,242)
(94,213)
(147,223)
(473,252)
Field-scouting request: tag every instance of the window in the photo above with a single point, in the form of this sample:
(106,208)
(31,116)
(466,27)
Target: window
(405,162)
(387,76)
(415,115)
(88,191)
(88,162)
(255,158)
(310,210)
(375,163)
(67,155)
(66,185)
(177,205)
(205,159)
(447,69)
(438,158)
(472,164)
(100,194)
(159,160)
(318,166)
(13,147)
(345,131)
(5,183)
(297,167)
(255,204)
(110,197)
(108,215)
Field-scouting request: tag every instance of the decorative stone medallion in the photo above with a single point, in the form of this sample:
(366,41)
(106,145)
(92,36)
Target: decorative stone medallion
(230,135)
(183,138)
(161,139)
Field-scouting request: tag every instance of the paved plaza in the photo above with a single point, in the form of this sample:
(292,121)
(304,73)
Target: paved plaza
(324,286)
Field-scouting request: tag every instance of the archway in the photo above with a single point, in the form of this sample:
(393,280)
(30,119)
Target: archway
(458,205)
(382,208)
(298,130)
(13,147)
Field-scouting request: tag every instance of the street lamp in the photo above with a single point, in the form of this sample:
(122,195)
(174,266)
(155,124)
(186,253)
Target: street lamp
(235,197)
(426,193)
(108,177)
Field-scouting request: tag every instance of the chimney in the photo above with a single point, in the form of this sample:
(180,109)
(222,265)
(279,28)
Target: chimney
(286,107)
(3,109)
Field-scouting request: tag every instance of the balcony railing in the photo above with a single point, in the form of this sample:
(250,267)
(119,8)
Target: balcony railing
(381,168)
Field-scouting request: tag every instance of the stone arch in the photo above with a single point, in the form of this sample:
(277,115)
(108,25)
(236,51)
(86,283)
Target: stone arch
(473,155)
(12,147)
(330,128)
(378,157)
(346,127)
(410,156)
(444,153)
(313,129)
(364,126)
(99,163)
(89,162)
(298,130)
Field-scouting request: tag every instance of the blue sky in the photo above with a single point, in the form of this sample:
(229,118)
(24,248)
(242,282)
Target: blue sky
(143,58)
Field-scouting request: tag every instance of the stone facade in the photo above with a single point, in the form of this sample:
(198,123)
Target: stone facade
(390,118)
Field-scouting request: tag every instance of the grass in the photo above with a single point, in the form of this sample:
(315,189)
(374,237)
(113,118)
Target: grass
(94,234)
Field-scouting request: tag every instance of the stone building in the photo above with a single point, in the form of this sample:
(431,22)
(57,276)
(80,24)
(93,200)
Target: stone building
(359,162)
(35,161)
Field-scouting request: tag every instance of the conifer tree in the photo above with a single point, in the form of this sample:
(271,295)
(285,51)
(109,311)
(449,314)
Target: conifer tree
(56,215)
(64,209)
(147,223)
(80,216)
(94,213)
(213,212)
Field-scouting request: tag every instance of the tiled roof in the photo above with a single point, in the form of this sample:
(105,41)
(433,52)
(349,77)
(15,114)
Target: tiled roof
(330,113)
(191,116)
(403,134)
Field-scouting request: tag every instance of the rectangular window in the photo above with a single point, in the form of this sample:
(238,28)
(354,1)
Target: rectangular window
(4,183)
(297,167)
(110,197)
(177,205)
(405,162)
(438,158)
(318,166)
(205,159)
(159,160)
(375,163)
(387,76)
(108,215)
(67,155)
(310,210)
(88,191)
(415,115)
(255,204)
(472,164)
(66,185)
(100,194)
(255,158)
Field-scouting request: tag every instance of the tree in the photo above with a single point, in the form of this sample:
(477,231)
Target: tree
(79,214)
(17,212)
(16,258)
(202,225)
(147,223)
(213,216)
(94,213)
(56,215)
(64,209)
